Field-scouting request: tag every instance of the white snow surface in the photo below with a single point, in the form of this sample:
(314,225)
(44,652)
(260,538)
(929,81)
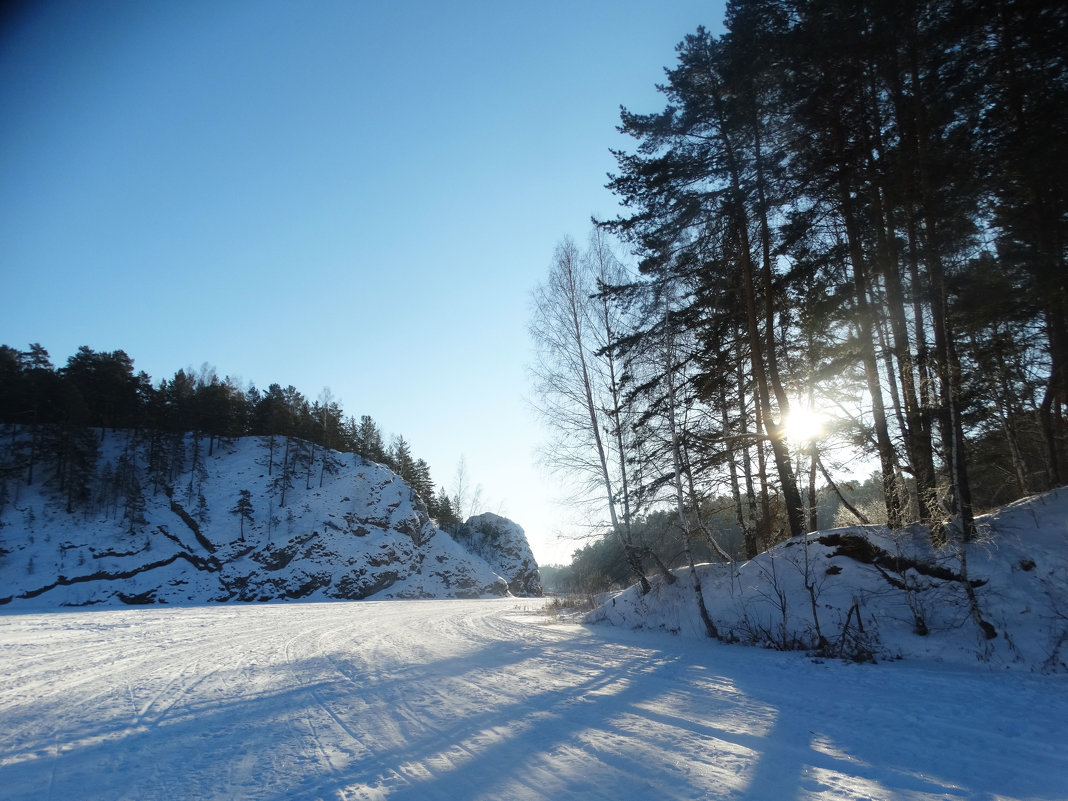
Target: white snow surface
(491,699)
(888,581)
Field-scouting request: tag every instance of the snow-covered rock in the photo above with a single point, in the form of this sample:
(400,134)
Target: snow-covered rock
(504,547)
(349,531)
(870,593)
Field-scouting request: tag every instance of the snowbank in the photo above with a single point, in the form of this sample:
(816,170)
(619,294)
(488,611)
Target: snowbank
(866,592)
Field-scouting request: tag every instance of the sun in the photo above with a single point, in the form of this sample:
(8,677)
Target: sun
(803,425)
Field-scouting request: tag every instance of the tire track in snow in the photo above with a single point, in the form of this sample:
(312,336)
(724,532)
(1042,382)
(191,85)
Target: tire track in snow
(142,716)
(401,701)
(315,669)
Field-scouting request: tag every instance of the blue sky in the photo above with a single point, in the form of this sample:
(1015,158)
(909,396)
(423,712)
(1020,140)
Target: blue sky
(353,195)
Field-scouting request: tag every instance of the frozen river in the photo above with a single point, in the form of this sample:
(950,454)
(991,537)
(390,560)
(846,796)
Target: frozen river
(490,700)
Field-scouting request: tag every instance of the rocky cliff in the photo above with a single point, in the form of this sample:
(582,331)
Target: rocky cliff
(255,520)
(503,546)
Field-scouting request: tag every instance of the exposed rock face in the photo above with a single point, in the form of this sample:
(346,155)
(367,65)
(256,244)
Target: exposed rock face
(504,547)
(361,532)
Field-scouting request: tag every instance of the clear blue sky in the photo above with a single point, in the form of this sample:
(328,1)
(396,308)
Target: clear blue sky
(353,195)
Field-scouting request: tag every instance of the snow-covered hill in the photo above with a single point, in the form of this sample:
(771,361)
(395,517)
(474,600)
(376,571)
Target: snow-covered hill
(328,526)
(870,593)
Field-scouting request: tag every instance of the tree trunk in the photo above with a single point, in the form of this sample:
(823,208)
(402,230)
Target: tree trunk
(680,505)
(911,370)
(947,365)
(783,462)
(779,449)
(735,483)
(831,483)
(866,338)
(749,532)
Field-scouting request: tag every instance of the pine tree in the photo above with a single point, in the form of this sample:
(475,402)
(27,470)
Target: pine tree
(442,510)
(368,440)
(243,509)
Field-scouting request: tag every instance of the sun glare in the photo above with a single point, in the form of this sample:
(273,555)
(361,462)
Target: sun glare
(804,425)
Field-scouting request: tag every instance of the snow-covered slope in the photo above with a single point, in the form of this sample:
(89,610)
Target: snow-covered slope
(504,546)
(351,530)
(868,592)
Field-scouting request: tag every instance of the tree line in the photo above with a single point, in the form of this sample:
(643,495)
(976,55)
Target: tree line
(101,390)
(857,207)
(600,564)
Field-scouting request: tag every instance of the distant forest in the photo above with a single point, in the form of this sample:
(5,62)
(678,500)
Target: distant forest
(101,390)
(857,208)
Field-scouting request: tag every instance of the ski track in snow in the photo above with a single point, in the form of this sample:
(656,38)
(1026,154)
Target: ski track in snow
(406,700)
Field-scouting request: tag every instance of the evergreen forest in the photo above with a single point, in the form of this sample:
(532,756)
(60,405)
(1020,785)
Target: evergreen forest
(67,410)
(851,209)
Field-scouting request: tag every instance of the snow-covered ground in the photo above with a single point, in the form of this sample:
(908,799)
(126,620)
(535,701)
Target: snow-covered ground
(874,593)
(490,699)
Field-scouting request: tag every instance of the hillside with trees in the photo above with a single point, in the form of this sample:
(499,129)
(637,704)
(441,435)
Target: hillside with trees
(116,489)
(238,524)
(61,407)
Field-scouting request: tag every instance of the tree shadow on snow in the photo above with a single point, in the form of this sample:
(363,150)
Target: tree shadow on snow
(571,713)
(672,719)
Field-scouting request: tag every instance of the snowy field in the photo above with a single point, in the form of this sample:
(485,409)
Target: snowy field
(491,700)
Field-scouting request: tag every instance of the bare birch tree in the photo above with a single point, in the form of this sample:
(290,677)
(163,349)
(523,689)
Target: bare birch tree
(576,388)
(466,498)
